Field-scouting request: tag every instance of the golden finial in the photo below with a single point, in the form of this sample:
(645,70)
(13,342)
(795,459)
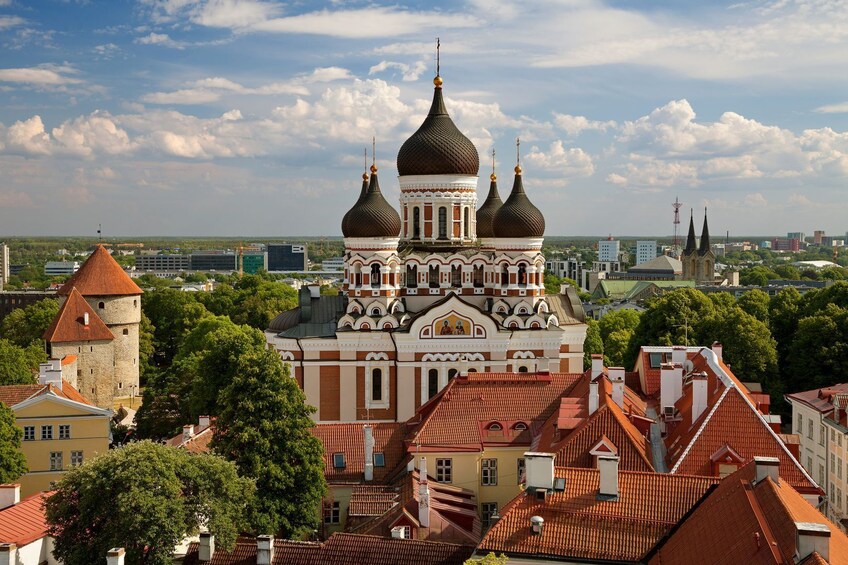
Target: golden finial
(517,156)
(438,80)
(493,176)
(373,155)
(365,160)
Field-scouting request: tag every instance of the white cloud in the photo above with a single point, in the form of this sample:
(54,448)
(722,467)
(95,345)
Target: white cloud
(162,39)
(233,13)
(188,96)
(45,75)
(575,125)
(839,108)
(106,50)
(755,200)
(799,200)
(7,22)
(408,72)
(326,74)
(81,137)
(28,137)
(570,162)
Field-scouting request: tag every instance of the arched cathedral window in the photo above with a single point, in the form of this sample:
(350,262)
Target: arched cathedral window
(443,223)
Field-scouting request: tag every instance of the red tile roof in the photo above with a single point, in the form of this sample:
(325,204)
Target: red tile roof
(69,324)
(819,399)
(343,549)
(11,395)
(372,500)
(24,522)
(459,416)
(350,440)
(579,525)
(200,442)
(100,275)
(740,522)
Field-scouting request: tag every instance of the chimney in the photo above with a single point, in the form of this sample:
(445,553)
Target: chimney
(203,422)
(608,479)
(115,556)
(8,554)
(717,349)
(85,318)
(812,538)
(671,384)
(206,548)
(597,365)
(48,373)
(543,365)
(616,376)
(423,494)
(368,432)
(539,470)
(767,467)
(188,432)
(264,550)
(537,524)
(10,494)
(699,395)
(593,397)
(678,354)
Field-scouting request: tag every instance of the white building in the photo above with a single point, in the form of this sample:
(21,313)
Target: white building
(608,250)
(645,251)
(4,264)
(61,268)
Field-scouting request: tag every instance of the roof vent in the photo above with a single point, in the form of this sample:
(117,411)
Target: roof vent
(539,470)
(537,524)
(812,538)
(264,550)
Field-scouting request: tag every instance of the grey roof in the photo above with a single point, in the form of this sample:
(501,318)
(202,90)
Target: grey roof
(567,307)
(323,321)
(518,217)
(486,213)
(661,264)
(438,147)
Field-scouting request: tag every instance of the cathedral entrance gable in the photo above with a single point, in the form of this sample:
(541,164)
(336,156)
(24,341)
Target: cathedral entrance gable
(453,319)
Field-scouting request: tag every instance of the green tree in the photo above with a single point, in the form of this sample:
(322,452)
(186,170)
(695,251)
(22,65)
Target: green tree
(756,303)
(25,326)
(617,330)
(19,365)
(818,354)
(165,407)
(265,427)
(146,350)
(173,314)
(788,272)
(12,461)
(757,276)
(490,559)
(145,498)
(619,320)
(593,343)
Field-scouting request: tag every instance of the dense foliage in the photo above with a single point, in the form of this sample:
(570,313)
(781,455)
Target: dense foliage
(145,498)
(12,461)
(19,365)
(26,326)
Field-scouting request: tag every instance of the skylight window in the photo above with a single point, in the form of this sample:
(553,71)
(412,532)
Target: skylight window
(338,461)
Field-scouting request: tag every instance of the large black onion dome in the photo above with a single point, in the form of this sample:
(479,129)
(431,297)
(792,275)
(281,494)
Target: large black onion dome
(372,216)
(438,147)
(518,217)
(362,193)
(486,213)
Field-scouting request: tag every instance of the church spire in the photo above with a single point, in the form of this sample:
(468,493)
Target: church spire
(705,236)
(690,239)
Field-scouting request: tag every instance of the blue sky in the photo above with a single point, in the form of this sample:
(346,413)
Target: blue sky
(249,117)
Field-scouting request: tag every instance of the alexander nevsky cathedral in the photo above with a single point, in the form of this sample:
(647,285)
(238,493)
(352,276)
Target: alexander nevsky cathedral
(433,288)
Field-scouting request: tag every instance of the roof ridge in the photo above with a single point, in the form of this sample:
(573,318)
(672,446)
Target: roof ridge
(700,431)
(762,520)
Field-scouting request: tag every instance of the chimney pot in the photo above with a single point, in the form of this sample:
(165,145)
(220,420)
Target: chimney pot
(368,433)
(597,366)
(115,556)
(264,550)
(608,476)
(188,432)
(593,397)
(671,384)
(423,494)
(699,395)
(10,494)
(206,547)
(718,350)
(678,354)
(767,467)
(812,537)
(203,422)
(537,524)
(616,376)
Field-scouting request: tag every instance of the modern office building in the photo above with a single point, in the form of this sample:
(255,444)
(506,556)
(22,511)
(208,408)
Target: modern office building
(169,262)
(61,268)
(287,257)
(224,261)
(645,251)
(799,235)
(252,262)
(785,244)
(608,250)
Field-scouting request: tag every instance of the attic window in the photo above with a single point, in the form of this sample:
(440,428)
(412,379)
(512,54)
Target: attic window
(519,426)
(338,461)
(101,305)
(656,360)
(379,459)
(494,427)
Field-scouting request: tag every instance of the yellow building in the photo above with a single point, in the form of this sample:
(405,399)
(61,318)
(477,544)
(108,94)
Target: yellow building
(61,429)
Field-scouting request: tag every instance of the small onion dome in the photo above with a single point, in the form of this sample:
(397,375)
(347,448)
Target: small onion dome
(518,217)
(372,216)
(362,193)
(438,147)
(486,213)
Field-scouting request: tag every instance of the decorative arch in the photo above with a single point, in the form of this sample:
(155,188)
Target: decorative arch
(500,307)
(553,321)
(523,355)
(377,356)
(377,307)
(388,322)
(365,323)
(513,322)
(542,307)
(523,308)
(535,322)
(355,307)
(346,321)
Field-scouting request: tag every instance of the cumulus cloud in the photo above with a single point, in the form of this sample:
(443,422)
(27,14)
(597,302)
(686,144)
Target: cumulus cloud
(408,72)
(575,125)
(162,39)
(81,137)
(41,76)
(755,200)
(570,162)
(188,97)
(799,200)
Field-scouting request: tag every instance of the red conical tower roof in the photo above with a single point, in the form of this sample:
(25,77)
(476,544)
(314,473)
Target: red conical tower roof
(70,323)
(100,275)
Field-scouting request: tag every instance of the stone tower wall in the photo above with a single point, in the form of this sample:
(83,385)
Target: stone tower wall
(95,368)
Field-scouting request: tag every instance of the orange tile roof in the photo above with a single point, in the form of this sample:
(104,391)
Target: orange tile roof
(24,522)
(11,395)
(200,442)
(100,275)
(350,440)
(819,399)
(372,500)
(69,324)
(343,549)
(580,526)
(740,522)
(459,415)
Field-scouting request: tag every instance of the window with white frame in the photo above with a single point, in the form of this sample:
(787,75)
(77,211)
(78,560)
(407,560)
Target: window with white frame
(46,432)
(489,472)
(29,433)
(64,431)
(76,458)
(55,460)
(488,509)
(332,513)
(377,383)
(809,429)
(800,423)
(444,470)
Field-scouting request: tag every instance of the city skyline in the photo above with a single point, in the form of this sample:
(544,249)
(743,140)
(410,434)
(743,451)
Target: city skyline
(184,117)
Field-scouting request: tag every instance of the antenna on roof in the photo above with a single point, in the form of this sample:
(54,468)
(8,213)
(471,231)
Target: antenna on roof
(438,46)
(518,151)
(493,160)
(365,157)
(100,232)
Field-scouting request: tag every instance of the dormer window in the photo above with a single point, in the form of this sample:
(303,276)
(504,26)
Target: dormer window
(338,461)
(379,459)
(519,427)
(494,427)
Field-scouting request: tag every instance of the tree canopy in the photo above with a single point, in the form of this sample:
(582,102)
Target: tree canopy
(145,498)
(264,426)
(25,326)
(12,461)
(19,365)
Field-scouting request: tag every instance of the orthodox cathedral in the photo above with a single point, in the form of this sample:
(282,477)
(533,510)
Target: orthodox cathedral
(441,288)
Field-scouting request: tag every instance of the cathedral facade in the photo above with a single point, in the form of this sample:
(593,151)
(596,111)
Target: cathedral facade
(698,258)
(439,288)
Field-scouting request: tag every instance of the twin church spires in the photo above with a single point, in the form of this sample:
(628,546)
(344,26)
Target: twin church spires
(691,245)
(439,148)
